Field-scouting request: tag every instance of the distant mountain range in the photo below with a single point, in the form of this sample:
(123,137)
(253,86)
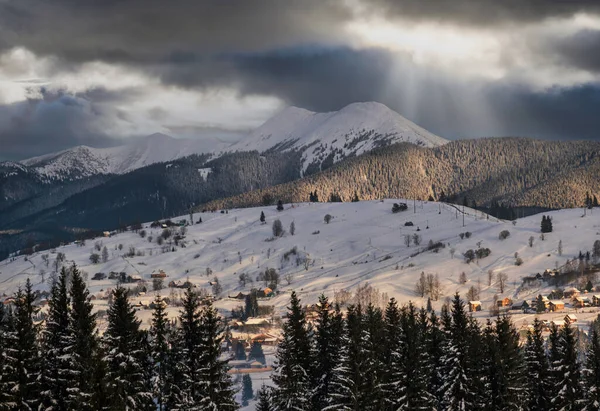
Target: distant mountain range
(82,161)
(365,148)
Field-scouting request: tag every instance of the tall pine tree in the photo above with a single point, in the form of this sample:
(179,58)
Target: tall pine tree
(538,370)
(58,374)
(292,375)
(125,357)
(216,392)
(87,388)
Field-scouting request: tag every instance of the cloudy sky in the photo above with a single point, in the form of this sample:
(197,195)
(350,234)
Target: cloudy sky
(103,72)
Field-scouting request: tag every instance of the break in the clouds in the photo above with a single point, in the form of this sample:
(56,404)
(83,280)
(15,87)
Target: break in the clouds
(98,73)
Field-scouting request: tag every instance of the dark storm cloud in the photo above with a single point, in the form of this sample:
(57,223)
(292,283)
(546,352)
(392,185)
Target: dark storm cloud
(313,78)
(581,50)
(143,31)
(557,113)
(55,122)
(482,12)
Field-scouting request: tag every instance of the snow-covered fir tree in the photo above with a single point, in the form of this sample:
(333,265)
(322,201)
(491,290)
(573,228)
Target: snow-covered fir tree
(458,387)
(263,399)
(160,352)
(88,387)
(22,364)
(292,374)
(216,391)
(328,332)
(125,357)
(591,372)
(58,371)
(567,371)
(538,371)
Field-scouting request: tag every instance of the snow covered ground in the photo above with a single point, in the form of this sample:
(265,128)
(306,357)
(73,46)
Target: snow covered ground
(364,242)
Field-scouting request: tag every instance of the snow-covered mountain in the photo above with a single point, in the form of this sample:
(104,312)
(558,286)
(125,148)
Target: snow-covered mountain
(83,161)
(321,138)
(325,138)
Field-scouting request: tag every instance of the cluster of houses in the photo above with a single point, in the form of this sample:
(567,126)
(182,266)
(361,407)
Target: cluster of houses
(572,295)
(264,292)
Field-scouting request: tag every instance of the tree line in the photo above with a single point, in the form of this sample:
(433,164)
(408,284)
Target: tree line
(404,358)
(65,364)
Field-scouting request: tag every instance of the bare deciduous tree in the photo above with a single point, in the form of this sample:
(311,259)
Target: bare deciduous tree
(407,240)
(502,278)
(462,278)
(490,277)
(531,241)
(416,239)
(472,294)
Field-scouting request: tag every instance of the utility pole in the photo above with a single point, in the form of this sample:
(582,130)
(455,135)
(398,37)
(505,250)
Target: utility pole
(463,215)
(415,205)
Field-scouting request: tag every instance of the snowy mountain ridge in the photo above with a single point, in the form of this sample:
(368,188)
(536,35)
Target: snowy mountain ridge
(321,138)
(326,138)
(84,161)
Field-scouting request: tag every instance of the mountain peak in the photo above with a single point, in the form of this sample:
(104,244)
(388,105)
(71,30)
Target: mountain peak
(353,130)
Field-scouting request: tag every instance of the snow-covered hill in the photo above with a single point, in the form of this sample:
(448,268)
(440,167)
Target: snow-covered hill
(355,129)
(83,161)
(364,242)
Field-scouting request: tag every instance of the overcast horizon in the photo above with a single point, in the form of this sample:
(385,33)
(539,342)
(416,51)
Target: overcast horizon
(104,73)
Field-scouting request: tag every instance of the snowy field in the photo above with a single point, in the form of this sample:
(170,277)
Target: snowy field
(364,242)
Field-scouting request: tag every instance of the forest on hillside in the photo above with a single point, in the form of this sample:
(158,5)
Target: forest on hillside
(514,171)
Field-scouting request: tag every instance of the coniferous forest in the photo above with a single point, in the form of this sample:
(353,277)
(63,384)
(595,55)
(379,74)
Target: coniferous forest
(366,358)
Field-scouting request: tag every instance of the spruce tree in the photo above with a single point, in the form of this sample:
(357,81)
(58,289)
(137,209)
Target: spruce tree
(159,332)
(457,388)
(567,370)
(21,387)
(434,345)
(256,353)
(537,365)
(263,400)
(58,373)
(393,373)
(186,378)
(328,329)
(293,370)
(125,357)
(591,372)
(262,217)
(7,358)
(216,391)
(505,385)
(372,341)
(347,381)
(87,389)
(247,392)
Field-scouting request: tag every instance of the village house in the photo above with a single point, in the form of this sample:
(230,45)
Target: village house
(570,292)
(581,302)
(265,339)
(159,274)
(504,302)
(556,305)
(596,300)
(474,306)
